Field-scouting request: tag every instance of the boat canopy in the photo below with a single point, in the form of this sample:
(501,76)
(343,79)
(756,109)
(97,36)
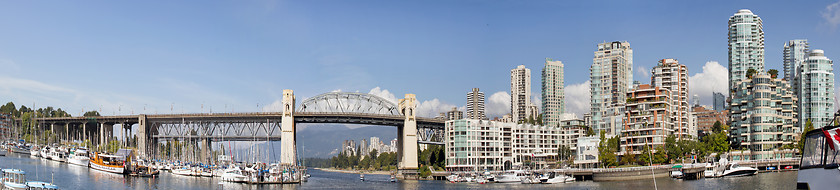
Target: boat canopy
(14,171)
(40,184)
(124,153)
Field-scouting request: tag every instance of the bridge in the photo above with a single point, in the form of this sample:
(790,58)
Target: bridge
(334,107)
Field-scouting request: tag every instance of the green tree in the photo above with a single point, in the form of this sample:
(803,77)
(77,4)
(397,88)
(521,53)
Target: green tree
(9,108)
(628,158)
(750,73)
(672,150)
(808,127)
(606,150)
(773,73)
(565,154)
(91,114)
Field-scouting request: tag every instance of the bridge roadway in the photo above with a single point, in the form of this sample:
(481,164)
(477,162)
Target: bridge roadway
(300,117)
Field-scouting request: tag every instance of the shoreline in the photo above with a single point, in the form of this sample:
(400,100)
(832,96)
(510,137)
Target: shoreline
(354,171)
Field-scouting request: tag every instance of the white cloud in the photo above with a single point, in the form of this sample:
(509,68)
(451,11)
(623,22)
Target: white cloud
(577,98)
(714,78)
(432,108)
(831,14)
(276,106)
(383,93)
(497,105)
(642,72)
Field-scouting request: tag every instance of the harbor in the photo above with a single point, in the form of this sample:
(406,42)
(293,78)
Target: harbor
(76,177)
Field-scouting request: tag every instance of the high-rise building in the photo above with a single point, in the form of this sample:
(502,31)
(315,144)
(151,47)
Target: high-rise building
(363,147)
(553,95)
(719,101)
(794,53)
(672,75)
(475,104)
(763,115)
(746,46)
(454,114)
(520,93)
(374,144)
(814,86)
(650,118)
(611,76)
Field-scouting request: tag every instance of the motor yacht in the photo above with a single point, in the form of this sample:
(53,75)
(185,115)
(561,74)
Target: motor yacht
(511,176)
(734,169)
(79,157)
(233,174)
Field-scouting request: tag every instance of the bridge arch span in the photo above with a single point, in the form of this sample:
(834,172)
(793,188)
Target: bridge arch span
(349,102)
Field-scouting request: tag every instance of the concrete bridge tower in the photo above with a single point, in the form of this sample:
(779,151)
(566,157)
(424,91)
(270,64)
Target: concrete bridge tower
(287,138)
(407,135)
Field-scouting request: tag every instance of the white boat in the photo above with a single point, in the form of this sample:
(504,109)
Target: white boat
(233,174)
(38,185)
(184,171)
(676,174)
(818,166)
(35,151)
(552,177)
(511,176)
(58,154)
(14,179)
(734,169)
(530,180)
(45,152)
(710,170)
(79,157)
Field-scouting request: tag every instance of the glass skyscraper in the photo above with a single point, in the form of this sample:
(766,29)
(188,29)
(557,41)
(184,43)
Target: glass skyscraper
(746,46)
(795,52)
(553,95)
(815,89)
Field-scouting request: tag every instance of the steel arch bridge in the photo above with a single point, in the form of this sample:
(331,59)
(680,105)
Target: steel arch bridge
(349,102)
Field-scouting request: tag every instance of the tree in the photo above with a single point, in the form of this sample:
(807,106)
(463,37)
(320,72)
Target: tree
(672,150)
(606,150)
(750,73)
(717,127)
(9,108)
(565,154)
(628,158)
(773,73)
(645,157)
(808,127)
(91,114)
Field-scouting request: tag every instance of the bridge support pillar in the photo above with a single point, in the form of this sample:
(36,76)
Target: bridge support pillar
(66,135)
(205,151)
(52,132)
(407,137)
(142,137)
(288,153)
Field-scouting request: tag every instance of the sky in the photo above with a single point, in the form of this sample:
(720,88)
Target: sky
(120,57)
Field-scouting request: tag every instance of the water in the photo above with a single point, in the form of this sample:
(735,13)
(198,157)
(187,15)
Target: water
(77,177)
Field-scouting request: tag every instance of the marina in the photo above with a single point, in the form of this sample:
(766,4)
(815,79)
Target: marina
(77,177)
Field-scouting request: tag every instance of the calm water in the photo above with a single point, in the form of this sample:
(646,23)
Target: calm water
(77,177)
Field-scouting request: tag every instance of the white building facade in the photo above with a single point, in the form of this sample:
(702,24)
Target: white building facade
(477,145)
(520,93)
(553,94)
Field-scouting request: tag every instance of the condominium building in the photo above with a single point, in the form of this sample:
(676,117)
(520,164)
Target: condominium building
(649,118)
(570,130)
(706,118)
(611,75)
(763,115)
(719,101)
(672,75)
(520,92)
(454,114)
(746,46)
(794,53)
(814,86)
(477,145)
(475,104)
(553,95)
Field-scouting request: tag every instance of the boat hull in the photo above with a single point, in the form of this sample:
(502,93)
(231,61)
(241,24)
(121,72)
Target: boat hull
(15,186)
(740,173)
(116,170)
(79,161)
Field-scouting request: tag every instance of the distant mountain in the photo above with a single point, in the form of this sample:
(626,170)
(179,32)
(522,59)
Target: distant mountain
(324,141)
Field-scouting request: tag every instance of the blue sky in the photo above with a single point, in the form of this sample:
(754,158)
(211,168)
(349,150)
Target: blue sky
(150,56)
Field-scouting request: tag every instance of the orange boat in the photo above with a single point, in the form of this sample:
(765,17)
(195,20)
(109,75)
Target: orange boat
(112,163)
